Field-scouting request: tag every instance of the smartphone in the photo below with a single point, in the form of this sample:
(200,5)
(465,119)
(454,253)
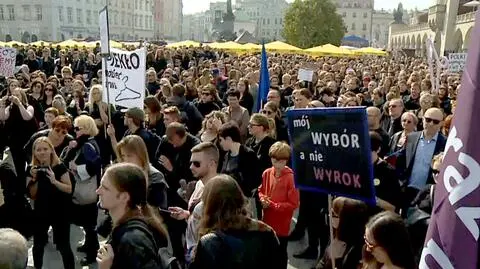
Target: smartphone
(166,211)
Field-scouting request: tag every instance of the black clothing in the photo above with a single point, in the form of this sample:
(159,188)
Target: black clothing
(385,141)
(153,87)
(391,126)
(47,66)
(387,185)
(44,133)
(240,168)
(135,245)
(151,141)
(410,103)
(247,102)
(191,117)
(33,65)
(157,189)
(261,149)
(206,108)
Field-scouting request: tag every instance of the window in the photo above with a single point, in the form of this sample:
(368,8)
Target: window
(268,21)
(115,18)
(136,4)
(27,13)
(122,15)
(365,14)
(263,21)
(60,13)
(146,22)
(79,15)
(2,15)
(276,21)
(70,15)
(344,14)
(364,27)
(140,21)
(353,26)
(11,13)
(89,17)
(38,11)
(354,14)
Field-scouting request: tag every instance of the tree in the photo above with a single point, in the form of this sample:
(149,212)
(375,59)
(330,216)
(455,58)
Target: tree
(310,23)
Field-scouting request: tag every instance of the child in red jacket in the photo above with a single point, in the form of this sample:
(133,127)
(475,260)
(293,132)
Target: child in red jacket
(278,194)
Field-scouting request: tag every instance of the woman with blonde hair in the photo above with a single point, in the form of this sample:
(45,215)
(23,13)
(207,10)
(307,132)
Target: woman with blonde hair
(409,125)
(85,165)
(98,110)
(226,230)
(273,111)
(210,126)
(49,185)
(132,149)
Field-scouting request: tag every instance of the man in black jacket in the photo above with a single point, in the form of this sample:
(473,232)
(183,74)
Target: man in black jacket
(188,111)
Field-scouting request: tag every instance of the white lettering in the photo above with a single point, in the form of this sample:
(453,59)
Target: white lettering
(437,254)
(468,215)
(465,185)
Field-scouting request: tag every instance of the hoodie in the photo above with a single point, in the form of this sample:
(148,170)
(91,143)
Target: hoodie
(284,199)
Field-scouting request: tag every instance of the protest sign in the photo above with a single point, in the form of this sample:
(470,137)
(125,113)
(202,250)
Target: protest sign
(104,31)
(305,75)
(456,62)
(126,77)
(8,57)
(331,151)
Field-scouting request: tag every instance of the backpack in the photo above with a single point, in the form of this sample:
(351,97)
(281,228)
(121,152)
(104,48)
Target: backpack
(165,259)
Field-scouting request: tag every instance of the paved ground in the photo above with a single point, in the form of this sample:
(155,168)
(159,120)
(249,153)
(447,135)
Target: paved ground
(53,260)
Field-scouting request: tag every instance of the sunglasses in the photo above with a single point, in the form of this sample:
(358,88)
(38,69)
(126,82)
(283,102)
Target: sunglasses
(267,112)
(195,163)
(435,172)
(429,120)
(48,89)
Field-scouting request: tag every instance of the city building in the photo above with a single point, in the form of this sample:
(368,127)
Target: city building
(57,20)
(193,27)
(357,17)
(381,20)
(448,24)
(130,19)
(168,20)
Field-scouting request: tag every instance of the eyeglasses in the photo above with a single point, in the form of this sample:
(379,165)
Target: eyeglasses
(429,120)
(48,89)
(369,245)
(197,164)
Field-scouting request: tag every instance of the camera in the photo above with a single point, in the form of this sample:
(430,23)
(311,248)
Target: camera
(41,170)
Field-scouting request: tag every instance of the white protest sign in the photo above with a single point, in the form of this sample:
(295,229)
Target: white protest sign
(8,57)
(125,71)
(104,31)
(305,75)
(456,62)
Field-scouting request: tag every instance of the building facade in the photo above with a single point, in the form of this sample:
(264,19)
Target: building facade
(168,19)
(447,23)
(381,20)
(57,20)
(357,17)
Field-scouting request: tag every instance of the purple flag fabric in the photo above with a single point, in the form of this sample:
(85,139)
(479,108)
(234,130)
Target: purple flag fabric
(452,238)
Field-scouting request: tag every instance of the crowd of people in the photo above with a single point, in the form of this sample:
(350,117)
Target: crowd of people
(200,171)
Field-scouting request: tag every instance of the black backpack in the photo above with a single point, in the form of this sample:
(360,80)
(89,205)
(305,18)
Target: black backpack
(166,260)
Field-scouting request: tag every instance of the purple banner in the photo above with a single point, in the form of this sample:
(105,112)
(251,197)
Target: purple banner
(452,238)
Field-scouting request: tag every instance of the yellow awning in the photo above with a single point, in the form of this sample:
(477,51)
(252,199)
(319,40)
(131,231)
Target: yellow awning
(329,50)
(230,45)
(40,43)
(15,43)
(370,51)
(70,43)
(280,46)
(251,46)
(113,44)
(186,43)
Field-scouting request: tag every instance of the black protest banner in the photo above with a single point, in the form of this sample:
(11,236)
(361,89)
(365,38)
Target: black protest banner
(331,151)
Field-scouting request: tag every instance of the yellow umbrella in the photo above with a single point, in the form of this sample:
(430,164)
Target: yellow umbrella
(15,43)
(40,43)
(329,50)
(230,45)
(370,51)
(252,46)
(281,47)
(70,43)
(186,43)
(2,44)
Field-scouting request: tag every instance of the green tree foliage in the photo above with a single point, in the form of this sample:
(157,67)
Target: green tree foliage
(310,23)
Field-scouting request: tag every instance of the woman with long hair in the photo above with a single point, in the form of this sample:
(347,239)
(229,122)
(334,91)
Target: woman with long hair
(349,217)
(246,98)
(132,149)
(137,232)
(273,111)
(210,126)
(228,237)
(50,91)
(153,112)
(49,186)
(387,243)
(35,99)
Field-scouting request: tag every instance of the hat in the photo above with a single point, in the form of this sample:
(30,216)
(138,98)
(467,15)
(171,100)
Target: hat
(136,114)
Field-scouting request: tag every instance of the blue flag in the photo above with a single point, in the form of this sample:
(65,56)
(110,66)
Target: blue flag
(264,84)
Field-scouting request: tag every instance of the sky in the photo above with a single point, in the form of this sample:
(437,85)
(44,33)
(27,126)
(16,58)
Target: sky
(193,6)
